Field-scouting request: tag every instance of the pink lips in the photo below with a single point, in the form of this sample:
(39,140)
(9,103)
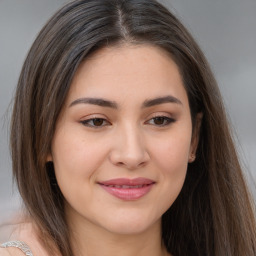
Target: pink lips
(127,189)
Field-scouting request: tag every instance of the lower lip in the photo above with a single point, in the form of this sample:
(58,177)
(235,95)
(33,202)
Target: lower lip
(128,194)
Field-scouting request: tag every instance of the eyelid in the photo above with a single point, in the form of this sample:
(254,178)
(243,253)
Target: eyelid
(86,121)
(165,116)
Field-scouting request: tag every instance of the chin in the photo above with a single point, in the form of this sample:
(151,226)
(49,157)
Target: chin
(128,229)
(133,225)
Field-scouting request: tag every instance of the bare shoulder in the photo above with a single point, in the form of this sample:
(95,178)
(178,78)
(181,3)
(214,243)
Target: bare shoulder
(25,234)
(4,252)
(28,234)
(10,252)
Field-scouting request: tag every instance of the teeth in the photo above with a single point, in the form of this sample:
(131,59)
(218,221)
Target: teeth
(126,186)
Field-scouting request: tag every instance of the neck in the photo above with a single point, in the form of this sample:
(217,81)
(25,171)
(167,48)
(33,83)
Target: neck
(90,240)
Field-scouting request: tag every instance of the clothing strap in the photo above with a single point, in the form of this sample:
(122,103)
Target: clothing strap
(18,244)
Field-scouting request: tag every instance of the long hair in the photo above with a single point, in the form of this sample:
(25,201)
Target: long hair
(213,215)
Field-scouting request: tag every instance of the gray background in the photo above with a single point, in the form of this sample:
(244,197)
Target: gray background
(225,29)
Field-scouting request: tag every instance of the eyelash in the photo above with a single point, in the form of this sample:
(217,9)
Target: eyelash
(167,120)
(87,122)
(103,122)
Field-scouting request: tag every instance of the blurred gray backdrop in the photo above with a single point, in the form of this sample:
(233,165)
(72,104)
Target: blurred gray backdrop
(225,29)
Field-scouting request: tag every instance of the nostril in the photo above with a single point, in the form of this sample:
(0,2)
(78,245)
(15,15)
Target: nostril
(142,164)
(130,156)
(120,163)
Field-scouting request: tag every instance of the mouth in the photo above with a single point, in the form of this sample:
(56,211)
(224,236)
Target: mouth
(128,189)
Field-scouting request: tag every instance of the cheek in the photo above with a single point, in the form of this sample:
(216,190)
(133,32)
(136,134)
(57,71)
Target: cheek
(76,163)
(172,153)
(173,163)
(75,158)
(171,158)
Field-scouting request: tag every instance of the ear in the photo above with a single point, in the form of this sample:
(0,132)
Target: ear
(49,158)
(195,138)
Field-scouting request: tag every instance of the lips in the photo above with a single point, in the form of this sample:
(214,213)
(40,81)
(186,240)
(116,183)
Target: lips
(127,189)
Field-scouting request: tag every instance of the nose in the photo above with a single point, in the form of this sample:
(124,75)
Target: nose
(129,150)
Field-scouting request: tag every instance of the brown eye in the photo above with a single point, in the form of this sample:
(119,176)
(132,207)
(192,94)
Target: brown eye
(95,122)
(161,121)
(98,121)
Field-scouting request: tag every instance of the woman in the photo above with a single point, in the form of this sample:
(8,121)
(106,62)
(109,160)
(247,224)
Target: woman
(120,142)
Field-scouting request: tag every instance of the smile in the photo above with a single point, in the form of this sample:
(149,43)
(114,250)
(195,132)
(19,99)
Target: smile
(126,186)
(127,189)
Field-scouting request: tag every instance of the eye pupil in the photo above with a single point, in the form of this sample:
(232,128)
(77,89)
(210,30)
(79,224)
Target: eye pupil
(159,120)
(97,121)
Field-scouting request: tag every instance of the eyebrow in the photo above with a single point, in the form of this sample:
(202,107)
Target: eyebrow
(95,101)
(161,100)
(111,104)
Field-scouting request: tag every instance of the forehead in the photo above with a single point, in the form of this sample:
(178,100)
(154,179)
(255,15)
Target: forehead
(140,71)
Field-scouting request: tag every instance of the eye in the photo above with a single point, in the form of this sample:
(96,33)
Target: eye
(161,121)
(95,122)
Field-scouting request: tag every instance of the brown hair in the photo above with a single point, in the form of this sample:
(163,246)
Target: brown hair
(213,214)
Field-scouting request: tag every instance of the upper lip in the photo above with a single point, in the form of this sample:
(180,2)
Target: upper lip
(127,182)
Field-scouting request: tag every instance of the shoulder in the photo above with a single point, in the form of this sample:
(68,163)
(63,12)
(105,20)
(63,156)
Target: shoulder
(10,252)
(27,233)
(24,233)
(4,252)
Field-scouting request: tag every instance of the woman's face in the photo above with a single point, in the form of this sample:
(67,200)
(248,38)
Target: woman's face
(123,139)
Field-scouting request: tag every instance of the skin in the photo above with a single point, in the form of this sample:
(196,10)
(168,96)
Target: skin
(124,141)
